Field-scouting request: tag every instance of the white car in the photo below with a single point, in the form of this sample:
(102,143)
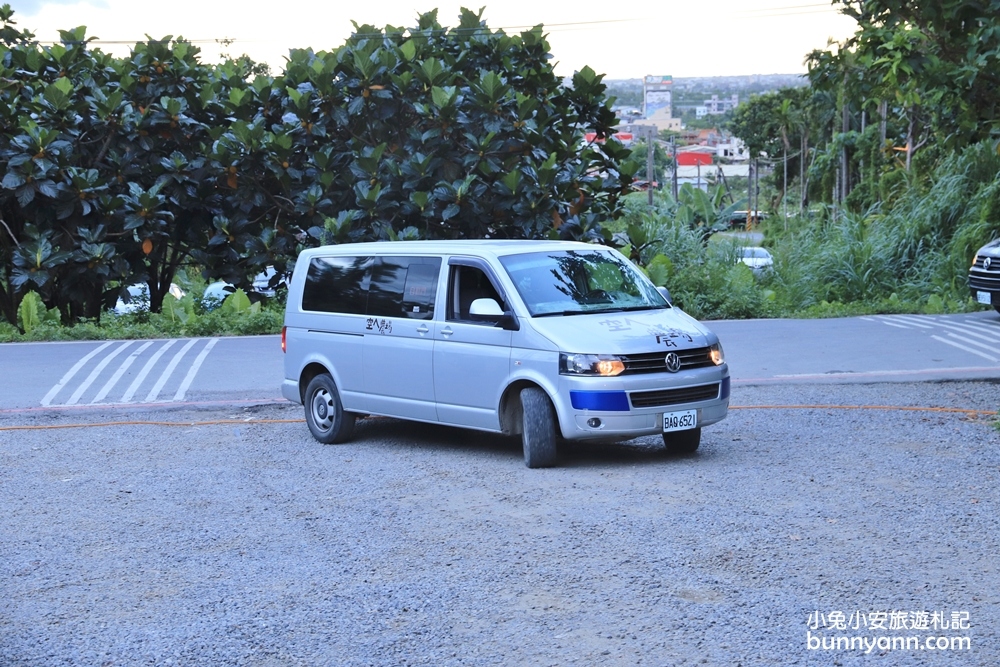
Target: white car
(217,292)
(139,298)
(757,258)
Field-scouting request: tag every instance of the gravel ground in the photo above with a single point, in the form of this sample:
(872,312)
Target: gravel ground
(252,544)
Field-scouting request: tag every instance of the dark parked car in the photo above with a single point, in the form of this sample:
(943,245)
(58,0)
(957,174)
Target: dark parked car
(984,275)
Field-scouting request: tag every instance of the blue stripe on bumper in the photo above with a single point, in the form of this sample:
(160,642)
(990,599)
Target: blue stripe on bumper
(607,401)
(724,392)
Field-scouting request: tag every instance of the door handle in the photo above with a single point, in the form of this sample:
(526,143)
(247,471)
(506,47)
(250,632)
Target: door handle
(447,332)
(422,329)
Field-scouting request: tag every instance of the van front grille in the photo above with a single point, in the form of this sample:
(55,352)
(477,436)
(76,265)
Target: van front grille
(656,362)
(653,399)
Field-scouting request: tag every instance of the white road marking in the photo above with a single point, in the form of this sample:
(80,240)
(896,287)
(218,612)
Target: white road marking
(988,323)
(168,371)
(110,384)
(988,348)
(890,324)
(179,395)
(908,321)
(97,371)
(915,319)
(71,372)
(962,347)
(976,332)
(134,387)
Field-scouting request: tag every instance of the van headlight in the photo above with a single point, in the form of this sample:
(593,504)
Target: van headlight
(602,365)
(716,354)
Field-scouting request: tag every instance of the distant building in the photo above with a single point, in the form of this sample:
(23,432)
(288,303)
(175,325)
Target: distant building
(693,156)
(656,96)
(710,137)
(626,138)
(733,149)
(717,107)
(657,106)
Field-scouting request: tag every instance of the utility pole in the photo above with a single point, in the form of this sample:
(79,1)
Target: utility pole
(673,177)
(650,172)
(722,177)
(784,190)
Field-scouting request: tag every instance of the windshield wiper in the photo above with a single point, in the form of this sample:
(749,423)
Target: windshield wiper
(600,311)
(564,312)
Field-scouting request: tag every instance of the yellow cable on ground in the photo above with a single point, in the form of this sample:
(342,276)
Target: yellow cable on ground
(908,408)
(214,422)
(247,422)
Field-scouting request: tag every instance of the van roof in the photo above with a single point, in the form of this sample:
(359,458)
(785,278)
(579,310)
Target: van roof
(494,247)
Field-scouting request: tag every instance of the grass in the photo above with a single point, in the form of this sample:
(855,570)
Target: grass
(267,320)
(909,255)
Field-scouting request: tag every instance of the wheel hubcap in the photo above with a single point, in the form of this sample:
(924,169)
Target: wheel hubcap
(322,405)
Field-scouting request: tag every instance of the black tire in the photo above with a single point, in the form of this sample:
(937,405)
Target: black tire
(325,413)
(538,428)
(682,442)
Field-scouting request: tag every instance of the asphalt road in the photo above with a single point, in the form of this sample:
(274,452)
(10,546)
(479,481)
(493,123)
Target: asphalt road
(131,374)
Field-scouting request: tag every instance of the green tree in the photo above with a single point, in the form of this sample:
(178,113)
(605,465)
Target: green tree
(117,170)
(428,132)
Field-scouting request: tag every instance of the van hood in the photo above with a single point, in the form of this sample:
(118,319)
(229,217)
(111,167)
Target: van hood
(991,249)
(624,332)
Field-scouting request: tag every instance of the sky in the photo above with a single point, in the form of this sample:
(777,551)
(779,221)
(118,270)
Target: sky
(681,38)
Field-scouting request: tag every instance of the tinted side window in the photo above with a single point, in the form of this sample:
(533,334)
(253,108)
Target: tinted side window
(404,287)
(337,285)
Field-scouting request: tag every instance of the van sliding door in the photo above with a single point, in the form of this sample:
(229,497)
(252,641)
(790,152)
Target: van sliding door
(399,337)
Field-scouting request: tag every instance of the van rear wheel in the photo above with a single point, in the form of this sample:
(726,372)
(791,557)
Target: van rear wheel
(538,428)
(325,414)
(682,442)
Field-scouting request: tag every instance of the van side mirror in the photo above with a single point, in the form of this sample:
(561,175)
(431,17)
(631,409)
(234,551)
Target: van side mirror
(485,309)
(665,293)
(488,310)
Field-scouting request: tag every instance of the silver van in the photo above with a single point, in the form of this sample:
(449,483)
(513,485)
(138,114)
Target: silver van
(544,339)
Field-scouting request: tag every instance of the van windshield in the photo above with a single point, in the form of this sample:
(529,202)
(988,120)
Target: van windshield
(575,282)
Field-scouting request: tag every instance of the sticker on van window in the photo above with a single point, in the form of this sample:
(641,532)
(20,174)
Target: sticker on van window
(382,326)
(671,337)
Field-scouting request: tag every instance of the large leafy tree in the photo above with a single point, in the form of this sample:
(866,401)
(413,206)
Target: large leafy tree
(118,170)
(429,132)
(934,66)
(104,179)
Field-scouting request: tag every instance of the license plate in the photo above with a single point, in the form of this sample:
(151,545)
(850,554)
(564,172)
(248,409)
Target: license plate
(983,297)
(680,421)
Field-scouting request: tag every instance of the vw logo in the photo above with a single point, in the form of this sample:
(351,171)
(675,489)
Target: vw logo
(673,362)
(987,262)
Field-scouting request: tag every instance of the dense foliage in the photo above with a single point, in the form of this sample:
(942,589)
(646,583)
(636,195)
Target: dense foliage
(124,170)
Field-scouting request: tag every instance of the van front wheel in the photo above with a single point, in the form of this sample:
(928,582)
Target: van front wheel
(682,442)
(538,428)
(325,413)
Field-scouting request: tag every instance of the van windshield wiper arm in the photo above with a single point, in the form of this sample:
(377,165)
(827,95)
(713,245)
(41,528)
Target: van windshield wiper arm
(599,311)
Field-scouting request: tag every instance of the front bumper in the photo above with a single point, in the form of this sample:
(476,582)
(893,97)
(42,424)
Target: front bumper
(613,402)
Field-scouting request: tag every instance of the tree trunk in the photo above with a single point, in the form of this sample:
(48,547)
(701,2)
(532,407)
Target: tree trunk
(803,149)
(784,191)
(911,121)
(883,112)
(845,188)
